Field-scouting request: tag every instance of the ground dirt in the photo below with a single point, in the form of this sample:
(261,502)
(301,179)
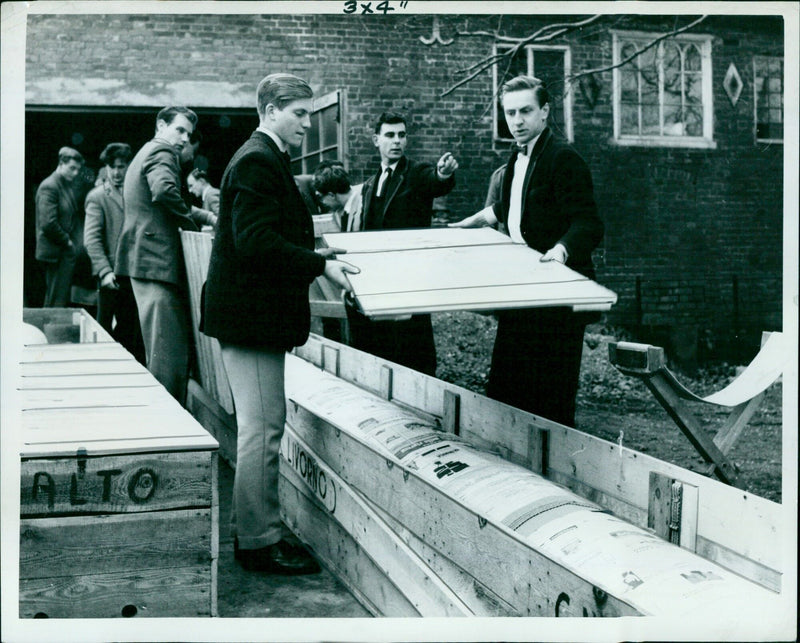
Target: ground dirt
(618,407)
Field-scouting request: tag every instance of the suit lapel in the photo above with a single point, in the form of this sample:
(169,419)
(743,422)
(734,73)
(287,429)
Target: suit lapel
(544,139)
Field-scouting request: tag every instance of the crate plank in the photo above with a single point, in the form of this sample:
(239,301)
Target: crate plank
(411,239)
(164,592)
(391,556)
(107,543)
(89,381)
(115,484)
(339,552)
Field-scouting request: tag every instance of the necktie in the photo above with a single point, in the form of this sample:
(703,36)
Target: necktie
(522,149)
(387,174)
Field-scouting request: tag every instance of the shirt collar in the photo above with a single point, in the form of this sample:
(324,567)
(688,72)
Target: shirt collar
(531,144)
(392,165)
(278,141)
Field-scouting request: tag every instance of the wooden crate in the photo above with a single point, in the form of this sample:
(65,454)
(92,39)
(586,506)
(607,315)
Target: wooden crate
(118,487)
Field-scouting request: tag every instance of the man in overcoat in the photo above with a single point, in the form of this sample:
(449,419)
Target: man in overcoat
(547,202)
(400,194)
(57,226)
(255,302)
(149,247)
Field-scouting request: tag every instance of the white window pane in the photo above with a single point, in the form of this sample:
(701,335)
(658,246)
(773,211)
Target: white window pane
(694,61)
(629,86)
(774,85)
(693,121)
(774,66)
(629,119)
(650,119)
(673,120)
(694,89)
(775,116)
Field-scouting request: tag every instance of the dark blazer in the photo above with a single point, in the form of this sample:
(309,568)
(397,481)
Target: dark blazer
(149,245)
(262,261)
(56,218)
(409,196)
(557,202)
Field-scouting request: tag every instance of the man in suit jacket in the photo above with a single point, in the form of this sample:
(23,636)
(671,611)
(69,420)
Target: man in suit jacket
(149,247)
(400,195)
(197,182)
(255,302)
(105,214)
(57,226)
(546,202)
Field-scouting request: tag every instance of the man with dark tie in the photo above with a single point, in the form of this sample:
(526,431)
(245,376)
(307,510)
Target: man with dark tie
(400,195)
(547,202)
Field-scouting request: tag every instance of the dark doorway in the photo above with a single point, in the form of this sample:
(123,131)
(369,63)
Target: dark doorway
(89,130)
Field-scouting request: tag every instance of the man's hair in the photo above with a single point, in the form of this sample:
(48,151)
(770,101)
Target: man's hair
(114,151)
(67,154)
(280,90)
(199,174)
(520,83)
(168,114)
(390,118)
(330,176)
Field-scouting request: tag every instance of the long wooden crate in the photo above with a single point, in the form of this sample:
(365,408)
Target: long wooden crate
(118,486)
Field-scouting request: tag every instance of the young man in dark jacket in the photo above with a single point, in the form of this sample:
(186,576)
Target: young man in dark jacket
(255,302)
(547,202)
(400,195)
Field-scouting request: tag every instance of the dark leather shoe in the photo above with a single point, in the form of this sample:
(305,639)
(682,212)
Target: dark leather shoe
(280,558)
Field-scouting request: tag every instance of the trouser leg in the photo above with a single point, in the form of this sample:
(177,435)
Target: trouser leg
(163,316)
(58,281)
(256,378)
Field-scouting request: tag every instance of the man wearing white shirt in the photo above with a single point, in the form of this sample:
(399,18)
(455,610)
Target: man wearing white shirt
(546,202)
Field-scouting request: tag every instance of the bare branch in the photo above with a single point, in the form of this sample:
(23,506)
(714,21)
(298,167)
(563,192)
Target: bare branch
(638,52)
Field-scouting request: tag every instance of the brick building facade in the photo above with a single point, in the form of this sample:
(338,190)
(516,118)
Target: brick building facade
(694,222)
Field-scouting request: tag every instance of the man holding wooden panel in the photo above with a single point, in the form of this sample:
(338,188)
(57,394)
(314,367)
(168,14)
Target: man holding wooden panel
(255,302)
(400,195)
(547,202)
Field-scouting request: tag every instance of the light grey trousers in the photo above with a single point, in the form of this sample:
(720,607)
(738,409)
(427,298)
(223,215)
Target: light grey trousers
(256,377)
(164,319)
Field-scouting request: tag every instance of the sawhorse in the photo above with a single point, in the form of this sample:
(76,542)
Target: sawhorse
(742,396)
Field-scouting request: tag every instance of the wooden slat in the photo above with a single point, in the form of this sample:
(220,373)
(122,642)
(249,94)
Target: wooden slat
(387,240)
(337,550)
(164,592)
(197,253)
(89,381)
(39,353)
(615,477)
(103,544)
(115,484)
(398,563)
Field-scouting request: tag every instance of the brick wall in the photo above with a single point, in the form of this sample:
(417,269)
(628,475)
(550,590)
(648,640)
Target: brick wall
(687,229)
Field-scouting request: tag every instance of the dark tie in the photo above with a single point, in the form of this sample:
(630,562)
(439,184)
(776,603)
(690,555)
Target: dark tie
(522,149)
(382,186)
(287,158)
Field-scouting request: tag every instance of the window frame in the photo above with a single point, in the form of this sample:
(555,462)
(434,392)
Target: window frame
(704,45)
(755,99)
(335,97)
(530,57)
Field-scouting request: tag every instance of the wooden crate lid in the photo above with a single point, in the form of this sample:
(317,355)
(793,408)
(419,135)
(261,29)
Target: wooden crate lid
(97,398)
(440,269)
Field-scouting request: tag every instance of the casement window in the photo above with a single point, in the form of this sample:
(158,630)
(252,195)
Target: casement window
(325,140)
(549,63)
(663,96)
(768,98)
